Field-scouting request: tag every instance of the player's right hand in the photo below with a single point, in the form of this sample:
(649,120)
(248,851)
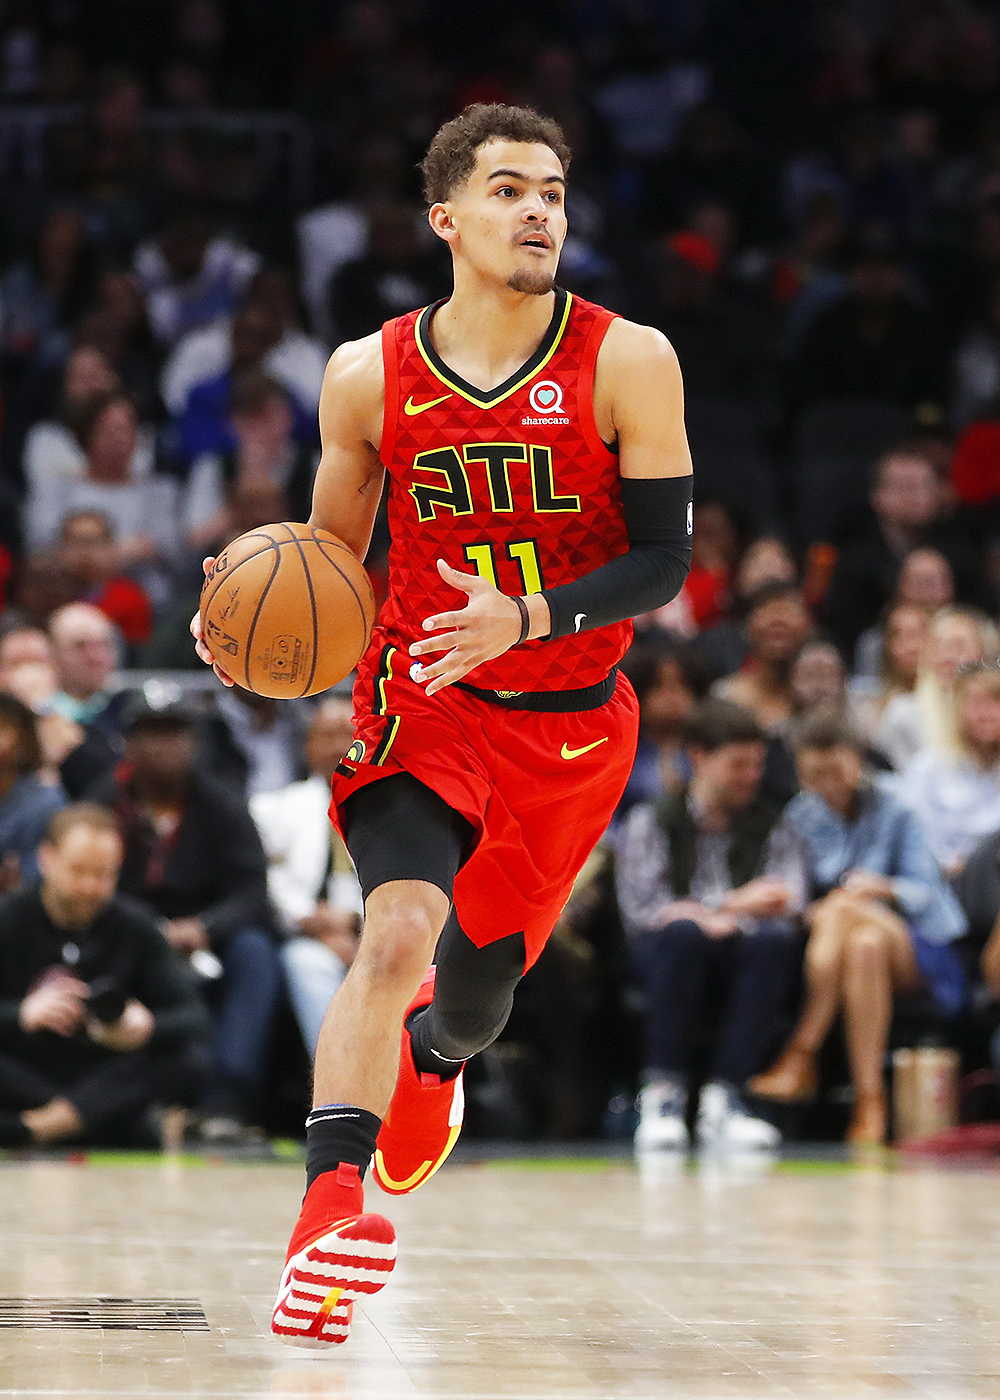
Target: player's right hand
(194,627)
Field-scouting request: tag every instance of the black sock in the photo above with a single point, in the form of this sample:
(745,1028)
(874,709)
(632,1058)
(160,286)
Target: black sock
(426,1059)
(339,1132)
(13,1133)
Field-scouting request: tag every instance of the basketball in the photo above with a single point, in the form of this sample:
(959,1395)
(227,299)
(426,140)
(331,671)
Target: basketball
(287,610)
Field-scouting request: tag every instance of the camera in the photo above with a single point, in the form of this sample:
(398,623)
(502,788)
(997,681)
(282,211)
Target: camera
(106,1001)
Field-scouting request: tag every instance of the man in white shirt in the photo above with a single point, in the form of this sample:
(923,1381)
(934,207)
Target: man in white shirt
(310,877)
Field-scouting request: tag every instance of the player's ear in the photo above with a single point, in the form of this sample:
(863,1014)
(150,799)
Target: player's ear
(439,218)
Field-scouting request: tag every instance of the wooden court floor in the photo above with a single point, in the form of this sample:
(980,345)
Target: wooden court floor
(517,1280)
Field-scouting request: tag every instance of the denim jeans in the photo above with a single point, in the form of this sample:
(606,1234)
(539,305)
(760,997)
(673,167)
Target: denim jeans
(242,1002)
(679,966)
(313,972)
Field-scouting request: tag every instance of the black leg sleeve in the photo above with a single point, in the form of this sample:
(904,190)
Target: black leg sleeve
(473,996)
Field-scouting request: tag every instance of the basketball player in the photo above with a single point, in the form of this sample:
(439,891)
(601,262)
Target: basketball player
(540,497)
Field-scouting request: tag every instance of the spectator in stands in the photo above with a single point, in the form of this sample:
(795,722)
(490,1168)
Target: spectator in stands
(926,582)
(115,159)
(98,1020)
(956,792)
(710,882)
(28,673)
(882,926)
(766,559)
(206,424)
(85,654)
(26,803)
(26,666)
(191,277)
(89,551)
(40,587)
(52,451)
(266,451)
(978,889)
(925,717)
(336,233)
(119,325)
(818,682)
(41,297)
(193,856)
(250,742)
(310,877)
(717,544)
(143,510)
(396,275)
(724,646)
(669,679)
(903,638)
(907,499)
(296,360)
(777,623)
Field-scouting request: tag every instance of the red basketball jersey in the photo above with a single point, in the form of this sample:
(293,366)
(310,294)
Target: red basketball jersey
(515,485)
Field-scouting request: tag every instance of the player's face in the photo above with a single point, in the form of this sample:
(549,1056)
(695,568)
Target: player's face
(508,221)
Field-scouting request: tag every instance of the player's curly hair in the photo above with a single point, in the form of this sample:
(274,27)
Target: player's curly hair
(451,156)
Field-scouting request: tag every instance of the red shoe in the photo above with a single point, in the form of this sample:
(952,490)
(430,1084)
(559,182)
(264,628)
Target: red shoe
(423,1121)
(331,1262)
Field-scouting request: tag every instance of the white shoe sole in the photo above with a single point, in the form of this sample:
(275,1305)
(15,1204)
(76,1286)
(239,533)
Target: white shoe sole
(321,1283)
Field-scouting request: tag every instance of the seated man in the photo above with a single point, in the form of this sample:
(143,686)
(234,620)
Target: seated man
(98,1019)
(710,881)
(310,876)
(193,856)
(85,653)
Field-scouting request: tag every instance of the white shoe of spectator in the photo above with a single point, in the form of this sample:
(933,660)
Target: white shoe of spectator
(661,1118)
(724,1121)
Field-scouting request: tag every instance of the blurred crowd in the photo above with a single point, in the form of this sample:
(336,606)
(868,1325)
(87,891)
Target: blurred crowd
(199,199)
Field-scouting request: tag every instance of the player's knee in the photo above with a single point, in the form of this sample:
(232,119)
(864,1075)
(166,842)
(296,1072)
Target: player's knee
(460,1034)
(398,944)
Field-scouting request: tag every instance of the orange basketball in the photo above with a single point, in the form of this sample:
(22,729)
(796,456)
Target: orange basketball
(287,610)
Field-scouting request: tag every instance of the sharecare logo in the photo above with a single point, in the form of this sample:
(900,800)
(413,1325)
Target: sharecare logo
(546,397)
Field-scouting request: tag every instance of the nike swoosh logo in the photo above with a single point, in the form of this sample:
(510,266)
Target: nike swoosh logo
(567,752)
(410,408)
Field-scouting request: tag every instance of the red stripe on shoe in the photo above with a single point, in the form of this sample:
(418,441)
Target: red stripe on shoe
(321,1282)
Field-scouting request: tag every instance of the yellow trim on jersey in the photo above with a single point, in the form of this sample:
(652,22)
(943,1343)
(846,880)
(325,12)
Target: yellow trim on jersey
(481,398)
(384,674)
(386,742)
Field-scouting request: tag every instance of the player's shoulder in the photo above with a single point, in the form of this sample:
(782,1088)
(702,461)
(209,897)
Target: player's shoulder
(354,377)
(630,345)
(355,360)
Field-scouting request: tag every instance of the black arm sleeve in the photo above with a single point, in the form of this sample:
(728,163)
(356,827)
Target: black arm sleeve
(658,521)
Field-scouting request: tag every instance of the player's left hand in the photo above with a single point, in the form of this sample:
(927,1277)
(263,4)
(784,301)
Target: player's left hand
(488,625)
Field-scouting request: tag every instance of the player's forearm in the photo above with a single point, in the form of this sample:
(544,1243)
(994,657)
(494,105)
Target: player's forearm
(658,522)
(353,527)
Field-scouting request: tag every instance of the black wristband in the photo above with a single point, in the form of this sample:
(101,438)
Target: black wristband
(522,608)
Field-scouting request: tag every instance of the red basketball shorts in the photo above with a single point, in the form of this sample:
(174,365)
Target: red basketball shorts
(538,788)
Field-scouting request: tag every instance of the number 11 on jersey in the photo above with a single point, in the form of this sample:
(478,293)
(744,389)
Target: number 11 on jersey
(524,554)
